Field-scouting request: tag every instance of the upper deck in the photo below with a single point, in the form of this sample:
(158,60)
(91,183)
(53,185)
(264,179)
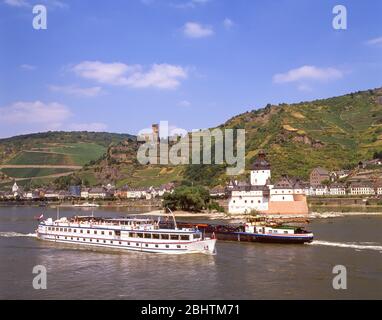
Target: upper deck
(136,224)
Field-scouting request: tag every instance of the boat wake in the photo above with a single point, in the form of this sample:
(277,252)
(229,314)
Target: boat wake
(352,245)
(11,234)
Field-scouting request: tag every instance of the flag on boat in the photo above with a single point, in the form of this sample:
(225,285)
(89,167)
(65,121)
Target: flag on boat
(40,217)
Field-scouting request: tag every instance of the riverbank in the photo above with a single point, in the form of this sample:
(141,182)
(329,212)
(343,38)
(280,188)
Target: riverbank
(138,203)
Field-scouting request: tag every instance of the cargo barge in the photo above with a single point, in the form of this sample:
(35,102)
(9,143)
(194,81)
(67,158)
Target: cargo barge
(254,232)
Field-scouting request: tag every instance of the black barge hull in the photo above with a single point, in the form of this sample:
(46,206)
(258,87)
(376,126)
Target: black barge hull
(245,237)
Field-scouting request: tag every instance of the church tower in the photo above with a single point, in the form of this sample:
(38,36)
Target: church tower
(260,170)
(15,187)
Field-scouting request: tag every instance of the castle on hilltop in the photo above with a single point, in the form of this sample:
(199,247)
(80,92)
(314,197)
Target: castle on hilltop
(286,196)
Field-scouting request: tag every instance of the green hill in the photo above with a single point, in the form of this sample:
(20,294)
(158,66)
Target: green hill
(51,154)
(334,133)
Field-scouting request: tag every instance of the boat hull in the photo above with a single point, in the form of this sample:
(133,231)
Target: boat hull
(264,238)
(206,246)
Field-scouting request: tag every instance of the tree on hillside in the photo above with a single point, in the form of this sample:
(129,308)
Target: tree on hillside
(187,198)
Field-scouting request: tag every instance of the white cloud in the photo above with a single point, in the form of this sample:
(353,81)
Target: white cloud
(28,67)
(308,73)
(162,76)
(77,91)
(228,23)
(110,73)
(93,127)
(39,113)
(375,42)
(196,30)
(26,4)
(184,103)
(17,3)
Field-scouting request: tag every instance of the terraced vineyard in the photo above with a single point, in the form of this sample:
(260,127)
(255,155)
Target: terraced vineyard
(334,133)
(44,156)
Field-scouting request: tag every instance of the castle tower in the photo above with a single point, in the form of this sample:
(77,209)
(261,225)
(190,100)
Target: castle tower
(155,128)
(260,170)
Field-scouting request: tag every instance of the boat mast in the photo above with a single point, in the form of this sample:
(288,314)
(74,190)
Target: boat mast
(58,212)
(173,216)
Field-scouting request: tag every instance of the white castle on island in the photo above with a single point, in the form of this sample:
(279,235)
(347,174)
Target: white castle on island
(287,196)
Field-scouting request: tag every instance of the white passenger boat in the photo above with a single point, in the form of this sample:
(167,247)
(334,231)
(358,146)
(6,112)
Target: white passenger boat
(86,205)
(124,234)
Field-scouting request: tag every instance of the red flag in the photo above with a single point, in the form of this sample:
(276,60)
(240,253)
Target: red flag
(40,217)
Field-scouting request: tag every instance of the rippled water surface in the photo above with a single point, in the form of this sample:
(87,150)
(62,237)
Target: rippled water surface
(238,271)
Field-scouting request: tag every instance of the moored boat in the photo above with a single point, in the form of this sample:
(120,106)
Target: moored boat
(87,205)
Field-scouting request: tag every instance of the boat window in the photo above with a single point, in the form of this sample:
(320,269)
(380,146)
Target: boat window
(164,236)
(88,231)
(102,232)
(65,230)
(110,233)
(61,229)
(74,230)
(70,230)
(137,244)
(174,237)
(81,231)
(178,246)
(155,236)
(167,246)
(117,232)
(147,245)
(140,235)
(285,231)
(196,235)
(156,246)
(147,235)
(120,242)
(132,234)
(185,237)
(104,241)
(95,231)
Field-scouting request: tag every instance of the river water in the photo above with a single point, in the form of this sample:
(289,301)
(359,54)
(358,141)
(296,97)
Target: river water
(237,271)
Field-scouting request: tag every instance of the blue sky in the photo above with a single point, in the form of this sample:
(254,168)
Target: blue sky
(121,65)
